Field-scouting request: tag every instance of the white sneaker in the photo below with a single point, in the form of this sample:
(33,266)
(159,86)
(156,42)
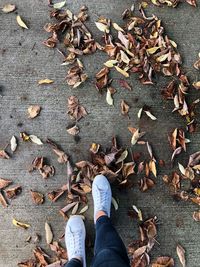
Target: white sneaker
(75,238)
(102,195)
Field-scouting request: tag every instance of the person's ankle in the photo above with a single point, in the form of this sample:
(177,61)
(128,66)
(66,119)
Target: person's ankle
(99,214)
(78,258)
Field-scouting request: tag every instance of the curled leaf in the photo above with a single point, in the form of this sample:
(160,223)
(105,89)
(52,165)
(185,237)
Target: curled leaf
(34,111)
(4,183)
(21,22)
(20,224)
(115,204)
(151,116)
(102,27)
(196,216)
(4,154)
(8,8)
(3,201)
(181,254)
(38,198)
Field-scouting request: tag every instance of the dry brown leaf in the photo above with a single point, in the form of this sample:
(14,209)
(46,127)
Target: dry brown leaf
(73,130)
(4,183)
(3,201)
(38,198)
(163,262)
(34,111)
(196,216)
(4,154)
(13,192)
(124,108)
(181,254)
(40,256)
(27,263)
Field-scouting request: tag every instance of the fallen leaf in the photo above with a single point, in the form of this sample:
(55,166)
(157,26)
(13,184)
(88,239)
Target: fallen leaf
(35,139)
(3,201)
(20,224)
(49,234)
(38,198)
(196,85)
(181,254)
(73,130)
(4,154)
(139,213)
(125,84)
(13,143)
(124,108)
(75,209)
(102,27)
(115,204)
(13,192)
(59,5)
(8,8)
(192,2)
(4,183)
(109,98)
(34,111)
(45,81)
(84,209)
(21,22)
(151,116)
(27,263)
(163,261)
(123,72)
(196,216)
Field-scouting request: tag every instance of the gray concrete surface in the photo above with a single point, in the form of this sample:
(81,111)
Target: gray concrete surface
(21,67)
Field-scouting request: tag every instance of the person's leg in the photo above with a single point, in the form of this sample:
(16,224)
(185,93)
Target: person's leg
(109,248)
(75,242)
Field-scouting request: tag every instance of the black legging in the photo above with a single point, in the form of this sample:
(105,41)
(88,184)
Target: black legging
(109,249)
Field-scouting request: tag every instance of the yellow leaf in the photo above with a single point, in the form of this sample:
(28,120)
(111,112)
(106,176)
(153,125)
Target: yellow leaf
(144,4)
(152,50)
(110,63)
(21,22)
(117,27)
(102,27)
(20,224)
(123,72)
(173,43)
(155,2)
(152,167)
(109,98)
(45,81)
(162,58)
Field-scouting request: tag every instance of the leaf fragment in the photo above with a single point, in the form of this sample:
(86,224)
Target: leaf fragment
(20,224)
(4,183)
(196,216)
(20,22)
(181,254)
(49,234)
(123,72)
(124,108)
(102,27)
(3,201)
(8,8)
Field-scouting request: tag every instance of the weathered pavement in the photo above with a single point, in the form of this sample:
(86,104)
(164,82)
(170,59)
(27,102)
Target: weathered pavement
(24,60)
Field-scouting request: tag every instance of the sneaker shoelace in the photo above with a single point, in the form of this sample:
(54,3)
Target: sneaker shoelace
(75,240)
(102,198)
